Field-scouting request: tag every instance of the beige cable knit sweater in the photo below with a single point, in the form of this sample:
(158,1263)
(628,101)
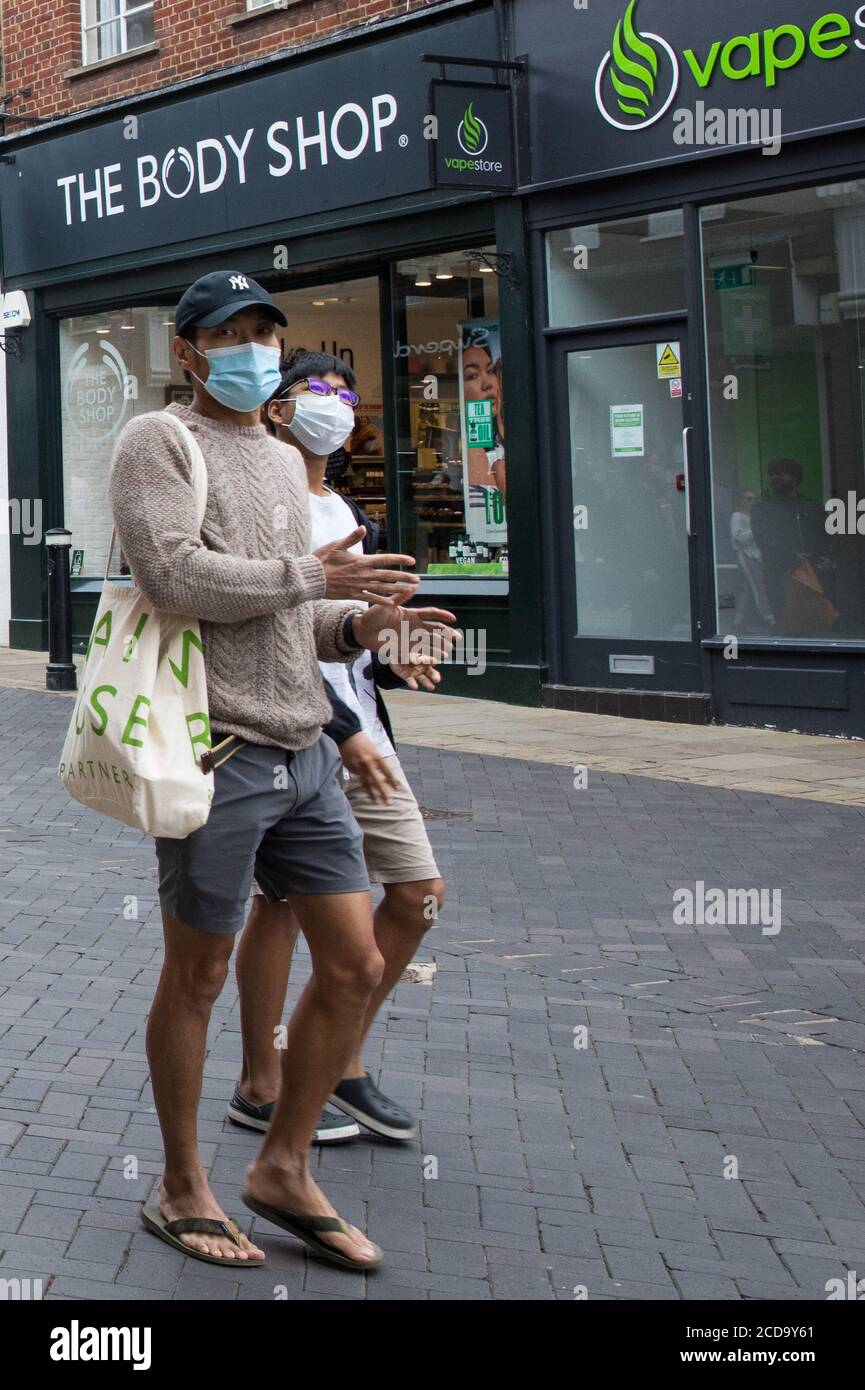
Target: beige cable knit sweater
(248,576)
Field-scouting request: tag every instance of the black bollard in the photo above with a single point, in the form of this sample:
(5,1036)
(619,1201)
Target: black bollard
(60,673)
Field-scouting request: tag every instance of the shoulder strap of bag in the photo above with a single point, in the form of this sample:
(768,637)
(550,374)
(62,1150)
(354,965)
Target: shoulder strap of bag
(198,470)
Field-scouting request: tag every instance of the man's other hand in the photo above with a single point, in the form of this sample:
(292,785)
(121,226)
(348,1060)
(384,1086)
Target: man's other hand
(400,634)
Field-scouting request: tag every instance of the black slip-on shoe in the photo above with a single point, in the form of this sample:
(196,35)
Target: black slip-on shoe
(360,1097)
(332,1129)
(248,1116)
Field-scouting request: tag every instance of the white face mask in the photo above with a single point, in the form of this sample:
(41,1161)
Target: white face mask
(321,424)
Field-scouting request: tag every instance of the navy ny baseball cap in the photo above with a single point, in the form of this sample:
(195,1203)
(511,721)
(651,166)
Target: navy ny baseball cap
(214,298)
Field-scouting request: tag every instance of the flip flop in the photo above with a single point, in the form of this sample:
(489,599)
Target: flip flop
(305,1228)
(170,1231)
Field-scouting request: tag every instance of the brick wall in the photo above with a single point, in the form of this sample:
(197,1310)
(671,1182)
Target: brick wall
(41,42)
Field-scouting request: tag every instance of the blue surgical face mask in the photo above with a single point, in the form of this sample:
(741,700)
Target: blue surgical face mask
(242,377)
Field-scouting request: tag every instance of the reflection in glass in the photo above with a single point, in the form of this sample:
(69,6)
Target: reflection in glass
(784,287)
(113,365)
(615,270)
(448,378)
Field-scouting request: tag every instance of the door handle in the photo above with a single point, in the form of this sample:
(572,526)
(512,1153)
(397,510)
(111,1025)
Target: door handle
(687,467)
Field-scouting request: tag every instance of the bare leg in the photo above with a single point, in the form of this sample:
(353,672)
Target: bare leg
(264,961)
(262,966)
(401,919)
(193,973)
(322,1034)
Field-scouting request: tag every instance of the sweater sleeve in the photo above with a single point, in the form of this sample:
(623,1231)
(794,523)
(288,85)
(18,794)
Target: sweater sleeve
(328,620)
(153,504)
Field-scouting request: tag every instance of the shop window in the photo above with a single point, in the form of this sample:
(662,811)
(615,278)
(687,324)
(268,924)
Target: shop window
(113,365)
(784,288)
(343,319)
(451,432)
(112,27)
(616,270)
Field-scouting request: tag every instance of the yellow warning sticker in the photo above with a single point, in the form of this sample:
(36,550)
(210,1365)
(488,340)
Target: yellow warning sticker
(669,360)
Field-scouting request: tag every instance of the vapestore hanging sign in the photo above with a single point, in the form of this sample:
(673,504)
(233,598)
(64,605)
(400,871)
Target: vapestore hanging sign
(635,82)
(472,148)
(329,133)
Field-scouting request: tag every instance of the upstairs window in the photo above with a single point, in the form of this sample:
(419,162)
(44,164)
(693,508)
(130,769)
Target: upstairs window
(112,27)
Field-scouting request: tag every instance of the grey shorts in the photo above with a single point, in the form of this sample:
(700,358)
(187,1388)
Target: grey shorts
(281,816)
(396,846)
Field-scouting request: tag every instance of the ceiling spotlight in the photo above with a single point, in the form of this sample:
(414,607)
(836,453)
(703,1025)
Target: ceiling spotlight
(444,273)
(318,303)
(424,279)
(486,270)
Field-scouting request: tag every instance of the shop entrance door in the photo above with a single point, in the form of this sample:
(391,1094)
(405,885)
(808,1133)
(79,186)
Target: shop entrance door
(626,543)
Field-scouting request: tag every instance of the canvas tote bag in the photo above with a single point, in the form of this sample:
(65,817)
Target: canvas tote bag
(140,725)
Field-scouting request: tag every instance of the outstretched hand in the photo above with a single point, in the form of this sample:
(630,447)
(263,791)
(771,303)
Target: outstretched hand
(371,578)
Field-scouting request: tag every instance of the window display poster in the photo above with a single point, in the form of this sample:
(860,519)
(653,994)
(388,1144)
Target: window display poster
(483,431)
(626,431)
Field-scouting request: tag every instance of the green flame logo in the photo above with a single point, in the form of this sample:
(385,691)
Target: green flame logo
(473,133)
(634,67)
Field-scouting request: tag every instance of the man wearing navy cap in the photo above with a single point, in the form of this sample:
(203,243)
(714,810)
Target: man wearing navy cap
(269,611)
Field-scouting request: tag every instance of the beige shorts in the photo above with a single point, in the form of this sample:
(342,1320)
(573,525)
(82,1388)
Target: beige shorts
(396,846)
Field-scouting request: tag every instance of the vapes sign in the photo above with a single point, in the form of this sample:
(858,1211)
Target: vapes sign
(472,145)
(332,132)
(638,77)
(613,84)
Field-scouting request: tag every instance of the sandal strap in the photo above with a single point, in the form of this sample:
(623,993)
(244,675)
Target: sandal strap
(203,1226)
(324,1223)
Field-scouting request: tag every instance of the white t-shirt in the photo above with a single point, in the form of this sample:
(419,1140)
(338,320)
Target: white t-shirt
(331,518)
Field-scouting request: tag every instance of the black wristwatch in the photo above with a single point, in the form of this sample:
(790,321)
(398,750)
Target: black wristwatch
(348,636)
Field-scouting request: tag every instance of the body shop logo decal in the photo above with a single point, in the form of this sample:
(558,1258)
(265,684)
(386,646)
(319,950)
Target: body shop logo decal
(97,390)
(182,184)
(637,78)
(472,134)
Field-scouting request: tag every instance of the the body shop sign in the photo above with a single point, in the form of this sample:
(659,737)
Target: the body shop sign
(639,82)
(327,133)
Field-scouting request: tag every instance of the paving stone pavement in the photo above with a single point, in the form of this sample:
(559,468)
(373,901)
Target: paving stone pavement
(544,1166)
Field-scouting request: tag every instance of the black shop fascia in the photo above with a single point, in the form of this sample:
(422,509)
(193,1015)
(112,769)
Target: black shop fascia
(313,173)
(697,227)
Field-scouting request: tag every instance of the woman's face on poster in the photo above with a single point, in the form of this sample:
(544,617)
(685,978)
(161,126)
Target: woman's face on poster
(480,382)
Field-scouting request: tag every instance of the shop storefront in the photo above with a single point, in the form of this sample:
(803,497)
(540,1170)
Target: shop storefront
(697,215)
(314,176)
